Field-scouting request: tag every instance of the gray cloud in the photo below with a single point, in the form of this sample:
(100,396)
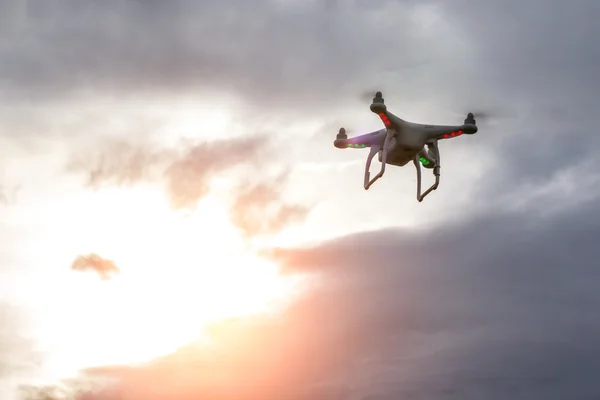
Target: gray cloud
(314,58)
(541,62)
(263,51)
(498,307)
(495,307)
(505,305)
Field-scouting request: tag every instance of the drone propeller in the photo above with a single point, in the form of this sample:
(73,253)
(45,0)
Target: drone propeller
(483,115)
(370,95)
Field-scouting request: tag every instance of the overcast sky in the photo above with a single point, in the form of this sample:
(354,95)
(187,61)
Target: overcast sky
(487,289)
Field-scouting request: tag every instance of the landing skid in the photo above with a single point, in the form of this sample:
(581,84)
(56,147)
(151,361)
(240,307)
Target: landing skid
(436,172)
(376,149)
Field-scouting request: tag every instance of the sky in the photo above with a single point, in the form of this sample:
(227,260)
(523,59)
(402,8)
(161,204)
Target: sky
(176,222)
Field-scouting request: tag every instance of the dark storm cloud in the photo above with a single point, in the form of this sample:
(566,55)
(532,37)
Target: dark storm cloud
(263,50)
(497,307)
(500,307)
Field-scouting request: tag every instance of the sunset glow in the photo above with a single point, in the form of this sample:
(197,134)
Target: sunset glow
(178,272)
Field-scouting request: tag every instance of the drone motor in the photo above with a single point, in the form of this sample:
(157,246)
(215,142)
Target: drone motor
(378,106)
(470,120)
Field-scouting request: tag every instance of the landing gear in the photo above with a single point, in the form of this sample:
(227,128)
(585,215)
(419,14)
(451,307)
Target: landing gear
(389,143)
(433,153)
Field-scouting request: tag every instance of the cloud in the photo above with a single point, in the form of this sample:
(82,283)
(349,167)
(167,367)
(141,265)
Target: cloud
(496,307)
(186,172)
(85,46)
(188,177)
(540,65)
(260,208)
(434,65)
(93,262)
(257,200)
(497,304)
(18,359)
(118,162)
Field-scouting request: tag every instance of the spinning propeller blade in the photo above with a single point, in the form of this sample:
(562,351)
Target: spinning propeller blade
(367,95)
(483,115)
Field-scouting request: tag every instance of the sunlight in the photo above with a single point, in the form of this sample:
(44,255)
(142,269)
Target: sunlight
(178,273)
(192,116)
(194,120)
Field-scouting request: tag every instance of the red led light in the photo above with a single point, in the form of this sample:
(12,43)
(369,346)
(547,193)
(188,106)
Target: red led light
(446,136)
(385,119)
(460,132)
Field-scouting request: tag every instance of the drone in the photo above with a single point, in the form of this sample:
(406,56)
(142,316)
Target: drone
(402,141)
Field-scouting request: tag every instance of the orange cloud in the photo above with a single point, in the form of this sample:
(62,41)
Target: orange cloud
(260,209)
(257,203)
(93,262)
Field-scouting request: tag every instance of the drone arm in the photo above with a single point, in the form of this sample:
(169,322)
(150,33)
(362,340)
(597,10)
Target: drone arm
(368,182)
(362,141)
(443,132)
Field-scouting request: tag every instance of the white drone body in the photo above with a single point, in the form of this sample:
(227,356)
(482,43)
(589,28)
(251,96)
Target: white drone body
(402,141)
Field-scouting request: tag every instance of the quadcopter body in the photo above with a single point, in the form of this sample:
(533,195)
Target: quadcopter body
(401,142)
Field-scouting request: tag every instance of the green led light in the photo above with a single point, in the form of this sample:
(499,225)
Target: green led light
(424,161)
